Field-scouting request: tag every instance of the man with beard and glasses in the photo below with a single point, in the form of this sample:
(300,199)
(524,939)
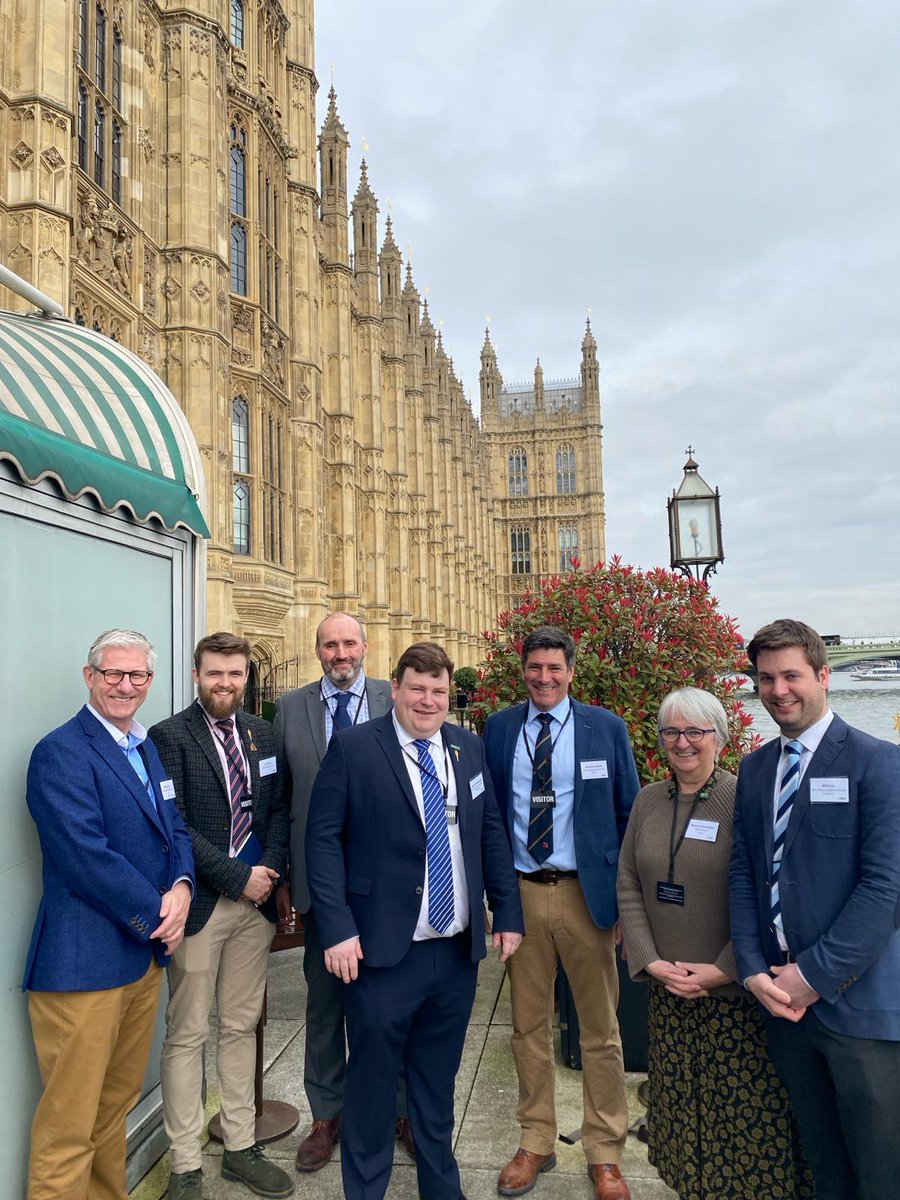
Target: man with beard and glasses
(305,722)
(227,782)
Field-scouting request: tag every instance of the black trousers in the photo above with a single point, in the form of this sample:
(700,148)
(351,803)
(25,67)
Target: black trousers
(325,1061)
(417,1013)
(845,1093)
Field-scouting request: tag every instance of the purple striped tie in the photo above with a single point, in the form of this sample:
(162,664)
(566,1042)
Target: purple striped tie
(241,818)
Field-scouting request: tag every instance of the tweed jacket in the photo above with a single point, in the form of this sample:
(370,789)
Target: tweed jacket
(185,745)
(300,741)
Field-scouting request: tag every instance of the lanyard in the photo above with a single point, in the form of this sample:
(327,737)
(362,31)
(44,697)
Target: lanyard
(528,750)
(333,712)
(445,787)
(701,795)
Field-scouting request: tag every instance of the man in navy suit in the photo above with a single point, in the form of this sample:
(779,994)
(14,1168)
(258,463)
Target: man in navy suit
(402,840)
(118,876)
(815,911)
(565,781)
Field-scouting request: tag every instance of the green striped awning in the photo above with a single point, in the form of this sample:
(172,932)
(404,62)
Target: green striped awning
(79,408)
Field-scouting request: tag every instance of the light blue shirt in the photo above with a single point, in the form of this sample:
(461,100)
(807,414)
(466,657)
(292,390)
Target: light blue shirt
(128,743)
(357,709)
(562,732)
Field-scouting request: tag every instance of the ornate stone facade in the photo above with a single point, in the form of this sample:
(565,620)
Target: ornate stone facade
(163,178)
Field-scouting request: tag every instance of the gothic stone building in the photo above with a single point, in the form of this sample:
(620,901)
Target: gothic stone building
(163,178)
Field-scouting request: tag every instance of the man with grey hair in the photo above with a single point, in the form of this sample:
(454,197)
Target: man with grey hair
(118,878)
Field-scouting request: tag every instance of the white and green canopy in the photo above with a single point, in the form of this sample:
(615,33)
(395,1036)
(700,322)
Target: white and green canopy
(79,408)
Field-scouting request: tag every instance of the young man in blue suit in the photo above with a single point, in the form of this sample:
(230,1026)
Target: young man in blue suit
(815,911)
(403,839)
(118,877)
(565,780)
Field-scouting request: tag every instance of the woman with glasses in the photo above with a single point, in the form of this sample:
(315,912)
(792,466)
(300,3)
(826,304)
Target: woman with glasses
(718,1117)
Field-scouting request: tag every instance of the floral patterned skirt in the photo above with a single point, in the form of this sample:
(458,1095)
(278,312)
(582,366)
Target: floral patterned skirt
(720,1127)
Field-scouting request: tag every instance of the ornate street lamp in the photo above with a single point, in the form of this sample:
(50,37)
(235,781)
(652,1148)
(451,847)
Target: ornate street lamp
(695,525)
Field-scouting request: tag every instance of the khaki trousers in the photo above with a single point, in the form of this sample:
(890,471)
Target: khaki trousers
(558,923)
(92,1050)
(228,959)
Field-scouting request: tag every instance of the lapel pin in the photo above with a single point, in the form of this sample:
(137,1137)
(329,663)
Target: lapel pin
(455,750)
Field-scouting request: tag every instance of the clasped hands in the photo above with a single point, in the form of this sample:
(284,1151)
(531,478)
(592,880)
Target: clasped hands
(173,911)
(786,995)
(688,980)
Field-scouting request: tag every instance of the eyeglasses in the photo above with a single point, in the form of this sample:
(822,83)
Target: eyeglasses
(694,736)
(112,675)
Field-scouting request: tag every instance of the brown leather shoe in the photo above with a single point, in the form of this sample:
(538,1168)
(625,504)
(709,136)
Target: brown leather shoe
(317,1147)
(404,1135)
(520,1173)
(608,1182)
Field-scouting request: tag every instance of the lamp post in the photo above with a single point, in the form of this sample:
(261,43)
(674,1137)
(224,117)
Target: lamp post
(695,525)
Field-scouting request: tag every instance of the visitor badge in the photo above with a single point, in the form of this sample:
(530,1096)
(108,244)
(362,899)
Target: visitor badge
(829,791)
(450,811)
(702,831)
(594,768)
(167,787)
(543,799)
(267,766)
(476,785)
(670,893)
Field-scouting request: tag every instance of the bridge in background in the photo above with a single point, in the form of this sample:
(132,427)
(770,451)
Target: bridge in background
(861,651)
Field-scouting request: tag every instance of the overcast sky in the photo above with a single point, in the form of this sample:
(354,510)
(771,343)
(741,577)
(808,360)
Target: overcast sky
(720,184)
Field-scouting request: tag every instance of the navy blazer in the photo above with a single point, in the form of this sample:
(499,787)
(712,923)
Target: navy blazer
(602,806)
(839,881)
(108,857)
(365,843)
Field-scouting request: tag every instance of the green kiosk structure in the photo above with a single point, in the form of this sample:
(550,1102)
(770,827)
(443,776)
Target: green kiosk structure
(101,525)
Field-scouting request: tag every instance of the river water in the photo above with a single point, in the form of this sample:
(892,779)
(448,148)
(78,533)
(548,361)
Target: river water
(868,706)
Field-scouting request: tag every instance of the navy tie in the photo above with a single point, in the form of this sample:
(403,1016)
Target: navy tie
(437,843)
(790,782)
(341,719)
(540,819)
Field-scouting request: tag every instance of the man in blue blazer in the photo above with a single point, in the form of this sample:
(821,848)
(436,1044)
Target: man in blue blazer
(565,780)
(118,877)
(403,838)
(815,911)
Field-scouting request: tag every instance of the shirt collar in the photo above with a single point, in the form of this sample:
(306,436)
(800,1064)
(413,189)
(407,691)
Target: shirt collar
(135,735)
(810,739)
(356,688)
(560,712)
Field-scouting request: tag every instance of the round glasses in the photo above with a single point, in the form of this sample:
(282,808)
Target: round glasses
(113,676)
(694,736)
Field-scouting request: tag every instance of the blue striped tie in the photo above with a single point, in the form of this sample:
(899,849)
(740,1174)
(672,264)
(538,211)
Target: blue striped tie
(437,843)
(237,786)
(790,782)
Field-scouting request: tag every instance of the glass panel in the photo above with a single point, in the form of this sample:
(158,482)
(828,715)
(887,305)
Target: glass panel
(240,436)
(241,517)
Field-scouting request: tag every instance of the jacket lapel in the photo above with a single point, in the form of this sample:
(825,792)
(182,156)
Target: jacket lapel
(245,726)
(455,755)
(583,738)
(113,755)
(202,733)
(315,715)
(387,739)
(513,733)
(829,748)
(768,767)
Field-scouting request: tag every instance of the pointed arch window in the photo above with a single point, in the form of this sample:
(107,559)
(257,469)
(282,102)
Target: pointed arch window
(568,547)
(520,551)
(82,127)
(237,24)
(100,48)
(117,69)
(99,143)
(565,471)
(117,162)
(240,436)
(518,472)
(238,140)
(241,517)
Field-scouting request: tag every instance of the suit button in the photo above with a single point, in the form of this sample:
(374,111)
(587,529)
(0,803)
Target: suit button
(422,851)
(165,849)
(162,891)
(418,891)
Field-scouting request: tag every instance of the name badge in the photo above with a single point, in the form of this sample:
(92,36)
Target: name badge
(594,768)
(246,803)
(829,791)
(167,787)
(476,785)
(543,799)
(670,893)
(451,811)
(267,766)
(702,831)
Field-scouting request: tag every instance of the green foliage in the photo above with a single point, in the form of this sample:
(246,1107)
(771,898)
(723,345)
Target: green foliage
(640,634)
(465,679)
